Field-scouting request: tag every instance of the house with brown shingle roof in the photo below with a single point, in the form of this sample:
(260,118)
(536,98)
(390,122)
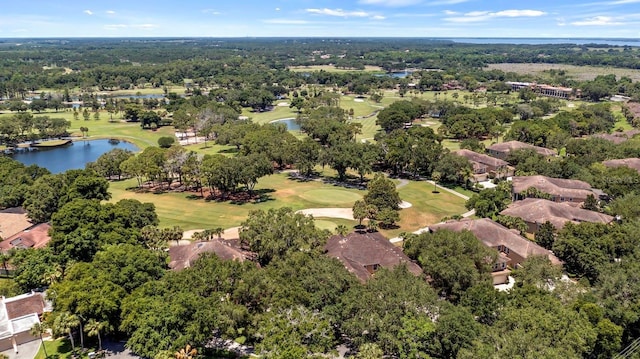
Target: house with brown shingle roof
(513,248)
(536,211)
(485,167)
(617,137)
(17,317)
(181,257)
(633,163)
(502,150)
(364,253)
(574,192)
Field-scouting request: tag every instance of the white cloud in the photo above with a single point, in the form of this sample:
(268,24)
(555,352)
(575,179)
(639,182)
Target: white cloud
(378,17)
(110,12)
(115,26)
(88,12)
(285,22)
(277,9)
(211,11)
(477,16)
(597,21)
(339,12)
(390,3)
(450,13)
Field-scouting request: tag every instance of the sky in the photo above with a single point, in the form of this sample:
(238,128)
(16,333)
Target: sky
(320,18)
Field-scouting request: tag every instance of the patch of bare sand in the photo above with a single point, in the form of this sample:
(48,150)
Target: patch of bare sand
(344,213)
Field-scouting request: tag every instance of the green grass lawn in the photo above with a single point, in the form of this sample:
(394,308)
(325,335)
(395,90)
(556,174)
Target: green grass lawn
(427,207)
(59,348)
(192,212)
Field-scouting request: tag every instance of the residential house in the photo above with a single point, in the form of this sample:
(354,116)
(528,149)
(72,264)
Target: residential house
(512,247)
(502,150)
(536,211)
(364,253)
(633,163)
(181,257)
(617,137)
(17,316)
(485,167)
(36,236)
(574,192)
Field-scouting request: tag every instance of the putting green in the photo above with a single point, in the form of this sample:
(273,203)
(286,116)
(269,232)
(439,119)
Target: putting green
(333,197)
(324,224)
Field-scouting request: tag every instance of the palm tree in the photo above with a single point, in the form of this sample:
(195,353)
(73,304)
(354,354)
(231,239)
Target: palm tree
(37,330)
(218,231)
(66,322)
(342,230)
(94,328)
(186,353)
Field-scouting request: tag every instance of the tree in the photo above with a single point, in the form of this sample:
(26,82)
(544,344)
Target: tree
(388,217)
(591,203)
(66,322)
(454,261)
(94,328)
(309,332)
(369,351)
(382,193)
(186,353)
(359,211)
(342,230)
(279,232)
(489,202)
(546,235)
(166,141)
(37,330)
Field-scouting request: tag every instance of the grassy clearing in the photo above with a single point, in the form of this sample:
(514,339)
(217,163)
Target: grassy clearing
(427,207)
(331,68)
(580,73)
(192,212)
(103,128)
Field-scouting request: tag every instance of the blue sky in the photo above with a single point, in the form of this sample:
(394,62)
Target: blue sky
(322,18)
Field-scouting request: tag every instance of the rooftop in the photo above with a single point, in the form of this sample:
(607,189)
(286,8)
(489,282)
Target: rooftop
(554,186)
(633,163)
(33,237)
(492,234)
(617,137)
(481,158)
(12,221)
(536,210)
(517,145)
(184,256)
(361,253)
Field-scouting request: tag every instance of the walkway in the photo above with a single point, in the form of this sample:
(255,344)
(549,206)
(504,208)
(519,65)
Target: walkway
(25,351)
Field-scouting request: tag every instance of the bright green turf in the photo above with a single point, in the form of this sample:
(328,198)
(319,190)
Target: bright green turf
(331,197)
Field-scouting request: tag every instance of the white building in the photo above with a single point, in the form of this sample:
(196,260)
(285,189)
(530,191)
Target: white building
(17,317)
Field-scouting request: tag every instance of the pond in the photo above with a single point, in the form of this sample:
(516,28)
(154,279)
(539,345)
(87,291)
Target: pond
(290,122)
(397,75)
(72,156)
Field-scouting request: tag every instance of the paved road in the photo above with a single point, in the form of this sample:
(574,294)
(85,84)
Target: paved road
(25,351)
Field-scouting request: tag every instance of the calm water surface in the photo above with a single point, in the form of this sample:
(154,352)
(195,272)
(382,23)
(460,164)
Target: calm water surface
(290,122)
(73,156)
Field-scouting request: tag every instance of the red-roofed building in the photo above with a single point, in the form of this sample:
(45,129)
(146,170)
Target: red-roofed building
(36,236)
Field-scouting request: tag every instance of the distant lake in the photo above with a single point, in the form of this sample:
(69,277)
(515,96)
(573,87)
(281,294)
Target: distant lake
(290,122)
(396,74)
(72,156)
(542,41)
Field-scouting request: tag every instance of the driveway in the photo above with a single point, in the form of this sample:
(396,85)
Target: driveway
(25,351)
(116,350)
